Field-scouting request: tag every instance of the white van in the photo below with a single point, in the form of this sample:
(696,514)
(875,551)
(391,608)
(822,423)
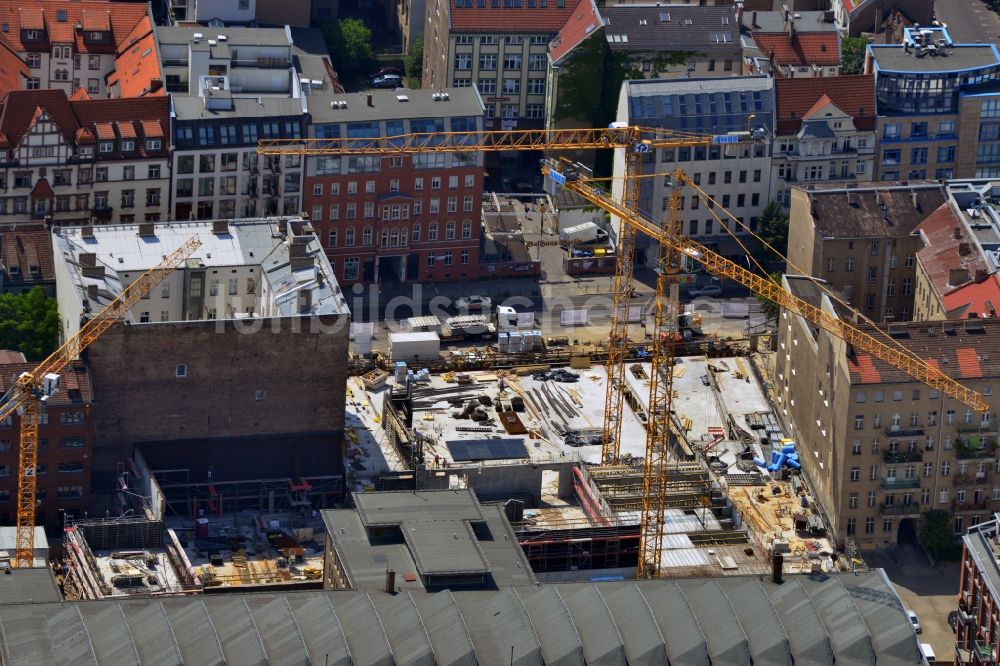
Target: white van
(928,652)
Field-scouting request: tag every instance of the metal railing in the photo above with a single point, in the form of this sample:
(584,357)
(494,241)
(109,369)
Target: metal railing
(899,509)
(896,482)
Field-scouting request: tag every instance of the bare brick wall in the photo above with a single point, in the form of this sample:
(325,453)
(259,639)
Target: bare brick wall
(299,363)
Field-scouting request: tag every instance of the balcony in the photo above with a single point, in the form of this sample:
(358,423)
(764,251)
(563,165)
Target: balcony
(897,431)
(912,509)
(262,63)
(987,427)
(102,213)
(903,456)
(897,483)
(175,62)
(975,447)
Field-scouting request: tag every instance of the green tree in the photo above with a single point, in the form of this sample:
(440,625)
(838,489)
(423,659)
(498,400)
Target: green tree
(29,323)
(773,228)
(769,308)
(852,54)
(413,61)
(938,537)
(350,44)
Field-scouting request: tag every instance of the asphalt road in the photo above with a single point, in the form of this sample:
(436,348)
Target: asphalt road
(969,20)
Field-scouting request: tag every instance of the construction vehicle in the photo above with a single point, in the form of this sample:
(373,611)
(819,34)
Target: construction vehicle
(28,395)
(675,252)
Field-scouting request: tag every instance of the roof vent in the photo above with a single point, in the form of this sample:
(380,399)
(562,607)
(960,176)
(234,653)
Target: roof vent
(402,98)
(146,229)
(220,227)
(197,37)
(222,38)
(212,42)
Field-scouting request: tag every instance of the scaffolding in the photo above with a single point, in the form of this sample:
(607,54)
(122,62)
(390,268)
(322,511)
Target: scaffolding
(187,499)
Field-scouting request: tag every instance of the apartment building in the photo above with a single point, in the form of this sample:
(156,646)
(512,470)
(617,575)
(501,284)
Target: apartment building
(938,114)
(404,218)
(977,627)
(802,47)
(735,176)
(84,160)
(855,17)
(825,131)
(227,12)
(232,87)
(233,368)
(68,45)
(26,259)
(879,447)
(65,447)
(863,240)
(501,49)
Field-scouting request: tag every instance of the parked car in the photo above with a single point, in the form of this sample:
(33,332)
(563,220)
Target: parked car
(913,620)
(388,81)
(388,70)
(953,621)
(706,291)
(474,303)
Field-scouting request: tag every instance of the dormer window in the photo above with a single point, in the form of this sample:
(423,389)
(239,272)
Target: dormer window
(95,36)
(107,146)
(32,35)
(61,15)
(86,151)
(154,144)
(3,155)
(128,145)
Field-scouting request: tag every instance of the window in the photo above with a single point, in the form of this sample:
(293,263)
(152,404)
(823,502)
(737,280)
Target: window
(71,417)
(536,62)
(34,60)
(855,473)
(536,86)
(890,157)
(487,61)
(487,86)
(34,83)
(106,146)
(534,111)
(511,87)
(512,61)
(851,526)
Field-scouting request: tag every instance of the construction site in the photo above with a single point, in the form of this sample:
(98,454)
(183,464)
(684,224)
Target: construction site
(531,440)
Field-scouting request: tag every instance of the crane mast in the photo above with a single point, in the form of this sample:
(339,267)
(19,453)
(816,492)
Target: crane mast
(673,251)
(33,388)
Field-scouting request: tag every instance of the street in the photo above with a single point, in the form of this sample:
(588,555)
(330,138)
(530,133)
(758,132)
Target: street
(969,20)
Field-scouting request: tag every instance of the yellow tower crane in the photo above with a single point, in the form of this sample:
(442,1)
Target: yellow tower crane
(635,142)
(674,250)
(33,388)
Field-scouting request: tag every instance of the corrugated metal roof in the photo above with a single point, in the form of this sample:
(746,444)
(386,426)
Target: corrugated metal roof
(643,641)
(848,635)
(194,631)
(765,633)
(279,632)
(724,635)
(110,635)
(806,635)
(154,637)
(683,636)
(363,629)
(602,641)
(561,644)
(321,629)
(446,628)
(405,629)
(733,620)
(882,611)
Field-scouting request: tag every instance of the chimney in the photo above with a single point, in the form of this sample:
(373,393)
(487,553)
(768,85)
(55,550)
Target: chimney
(92,271)
(390,581)
(370,103)
(753,19)
(92,292)
(958,233)
(87,259)
(964,250)
(981,275)
(777,563)
(146,229)
(305,300)
(87,232)
(220,227)
(957,276)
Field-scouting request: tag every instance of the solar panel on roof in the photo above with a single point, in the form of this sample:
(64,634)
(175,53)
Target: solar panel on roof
(487,449)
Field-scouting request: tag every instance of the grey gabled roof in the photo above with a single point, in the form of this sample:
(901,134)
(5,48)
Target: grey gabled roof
(677,27)
(736,620)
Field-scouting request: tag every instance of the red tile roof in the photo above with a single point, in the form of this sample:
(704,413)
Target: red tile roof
(152,129)
(801,49)
(820,104)
(137,66)
(74,382)
(119,17)
(80,95)
(864,368)
(42,189)
(955,268)
(586,19)
(550,18)
(12,68)
(854,95)
(26,246)
(125,129)
(80,121)
(968,362)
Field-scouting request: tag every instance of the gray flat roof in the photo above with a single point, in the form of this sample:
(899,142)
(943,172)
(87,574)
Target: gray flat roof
(894,58)
(249,242)
(32,586)
(386,105)
(438,539)
(645,87)
(691,622)
(189,107)
(649,28)
(235,36)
